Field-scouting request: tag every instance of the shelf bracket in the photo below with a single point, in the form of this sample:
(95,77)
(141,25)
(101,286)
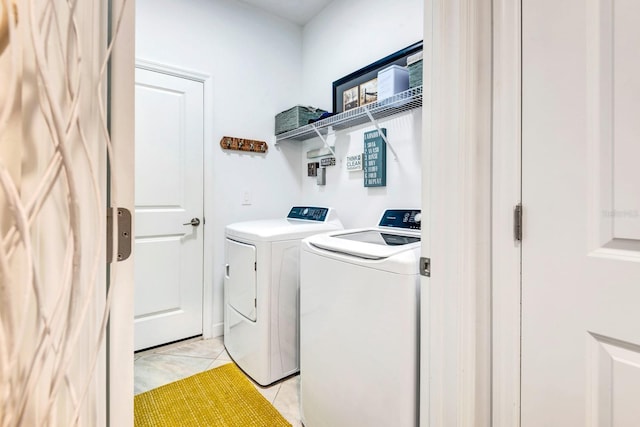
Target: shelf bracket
(324,140)
(384,137)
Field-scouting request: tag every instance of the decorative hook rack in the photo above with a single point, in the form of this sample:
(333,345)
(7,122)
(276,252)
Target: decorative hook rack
(241,144)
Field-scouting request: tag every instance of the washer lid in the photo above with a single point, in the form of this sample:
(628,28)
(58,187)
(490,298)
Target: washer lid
(372,243)
(379,237)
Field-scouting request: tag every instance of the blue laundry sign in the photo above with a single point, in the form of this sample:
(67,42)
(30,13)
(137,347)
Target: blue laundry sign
(375,159)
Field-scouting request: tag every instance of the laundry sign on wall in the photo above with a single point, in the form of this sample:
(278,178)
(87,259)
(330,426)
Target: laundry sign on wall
(354,162)
(375,159)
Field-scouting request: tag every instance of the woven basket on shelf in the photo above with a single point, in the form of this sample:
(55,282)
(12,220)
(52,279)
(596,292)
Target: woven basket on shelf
(295,117)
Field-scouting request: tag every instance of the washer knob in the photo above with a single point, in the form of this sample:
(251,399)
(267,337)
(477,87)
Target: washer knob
(417,217)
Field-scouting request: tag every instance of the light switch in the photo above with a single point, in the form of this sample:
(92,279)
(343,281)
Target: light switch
(246,197)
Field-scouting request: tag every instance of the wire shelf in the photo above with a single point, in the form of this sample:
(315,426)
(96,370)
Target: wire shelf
(403,101)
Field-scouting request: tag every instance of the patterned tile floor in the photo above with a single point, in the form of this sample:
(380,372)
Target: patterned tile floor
(162,365)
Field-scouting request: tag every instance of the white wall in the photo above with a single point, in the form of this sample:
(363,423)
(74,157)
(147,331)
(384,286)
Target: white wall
(346,36)
(356,205)
(260,65)
(350,34)
(255,63)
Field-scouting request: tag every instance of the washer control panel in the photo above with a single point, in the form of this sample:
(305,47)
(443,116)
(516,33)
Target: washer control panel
(401,218)
(308,213)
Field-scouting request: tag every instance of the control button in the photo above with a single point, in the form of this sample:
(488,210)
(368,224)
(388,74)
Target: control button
(418,217)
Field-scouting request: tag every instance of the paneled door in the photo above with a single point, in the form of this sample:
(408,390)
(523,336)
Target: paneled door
(581,198)
(169,208)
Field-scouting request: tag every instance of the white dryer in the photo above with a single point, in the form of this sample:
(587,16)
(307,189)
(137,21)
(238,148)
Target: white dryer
(359,325)
(261,290)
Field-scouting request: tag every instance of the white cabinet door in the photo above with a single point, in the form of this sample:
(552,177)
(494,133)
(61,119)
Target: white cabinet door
(168,194)
(581,197)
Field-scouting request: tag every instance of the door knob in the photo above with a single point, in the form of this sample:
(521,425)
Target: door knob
(194,222)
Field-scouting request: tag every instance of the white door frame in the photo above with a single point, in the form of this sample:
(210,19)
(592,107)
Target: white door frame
(456,342)
(464,226)
(506,189)
(122,108)
(474,155)
(207,272)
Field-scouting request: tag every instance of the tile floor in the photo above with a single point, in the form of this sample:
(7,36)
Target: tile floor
(162,365)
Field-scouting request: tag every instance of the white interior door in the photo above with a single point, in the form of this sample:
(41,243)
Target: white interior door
(168,195)
(581,197)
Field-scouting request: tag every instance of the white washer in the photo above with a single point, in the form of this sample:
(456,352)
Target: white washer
(359,325)
(261,290)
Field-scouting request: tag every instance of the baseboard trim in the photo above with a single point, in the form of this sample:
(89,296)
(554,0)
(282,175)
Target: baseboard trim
(217,330)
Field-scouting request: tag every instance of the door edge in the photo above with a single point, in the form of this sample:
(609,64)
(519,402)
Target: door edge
(507,193)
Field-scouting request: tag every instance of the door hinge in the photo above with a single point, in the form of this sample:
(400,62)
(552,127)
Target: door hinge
(425,266)
(255,266)
(517,222)
(255,302)
(123,239)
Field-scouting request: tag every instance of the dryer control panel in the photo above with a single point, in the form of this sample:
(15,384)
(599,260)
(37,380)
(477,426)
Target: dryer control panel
(308,213)
(401,218)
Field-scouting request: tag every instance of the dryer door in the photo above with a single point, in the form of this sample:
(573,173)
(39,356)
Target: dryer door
(241,278)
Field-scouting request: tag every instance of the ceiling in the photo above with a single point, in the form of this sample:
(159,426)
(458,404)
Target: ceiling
(296,11)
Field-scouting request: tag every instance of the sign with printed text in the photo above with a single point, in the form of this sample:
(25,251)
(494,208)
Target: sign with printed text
(375,159)
(328,161)
(354,162)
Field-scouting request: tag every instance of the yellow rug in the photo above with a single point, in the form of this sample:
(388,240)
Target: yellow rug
(219,397)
